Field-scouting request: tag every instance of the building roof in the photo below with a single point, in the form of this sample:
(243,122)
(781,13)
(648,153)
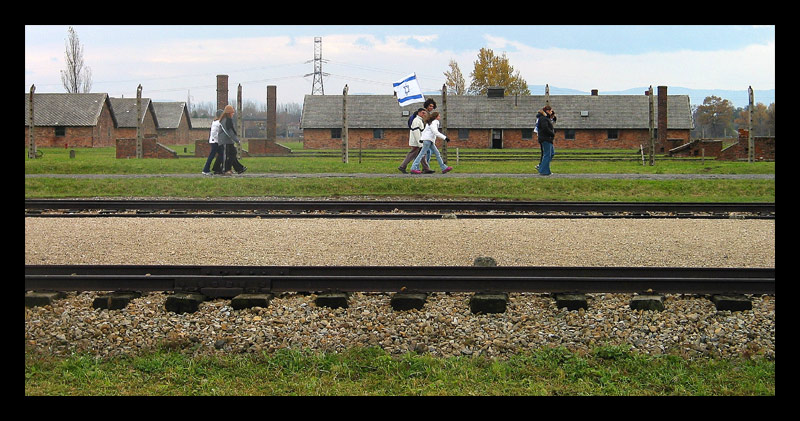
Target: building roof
(202,122)
(170,114)
(125,111)
(67,109)
(509,112)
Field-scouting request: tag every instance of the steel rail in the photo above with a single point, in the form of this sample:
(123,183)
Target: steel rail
(392,205)
(233,280)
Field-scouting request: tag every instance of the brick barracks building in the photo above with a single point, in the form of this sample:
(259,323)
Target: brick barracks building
(495,121)
(91,120)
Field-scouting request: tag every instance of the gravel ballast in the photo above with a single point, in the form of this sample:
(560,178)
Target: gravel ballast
(445,242)
(688,325)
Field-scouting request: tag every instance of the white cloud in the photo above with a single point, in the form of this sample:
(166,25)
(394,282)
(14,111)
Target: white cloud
(753,65)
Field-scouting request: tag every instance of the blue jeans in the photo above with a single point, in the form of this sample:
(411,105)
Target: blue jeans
(214,149)
(547,155)
(427,147)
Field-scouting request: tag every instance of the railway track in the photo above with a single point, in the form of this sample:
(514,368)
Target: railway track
(249,286)
(391,209)
(228,281)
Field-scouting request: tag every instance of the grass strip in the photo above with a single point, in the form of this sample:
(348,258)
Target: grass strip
(103,161)
(606,371)
(540,189)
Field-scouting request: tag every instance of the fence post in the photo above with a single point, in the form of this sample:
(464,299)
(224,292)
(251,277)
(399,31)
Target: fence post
(31,139)
(139,122)
(751,153)
(345,146)
(547,94)
(652,129)
(239,121)
(444,122)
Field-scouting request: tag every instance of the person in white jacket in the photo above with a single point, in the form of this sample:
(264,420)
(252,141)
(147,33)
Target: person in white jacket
(212,139)
(417,126)
(428,138)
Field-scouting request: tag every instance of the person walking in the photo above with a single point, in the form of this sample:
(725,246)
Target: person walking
(429,106)
(227,137)
(541,148)
(547,134)
(213,140)
(417,126)
(428,138)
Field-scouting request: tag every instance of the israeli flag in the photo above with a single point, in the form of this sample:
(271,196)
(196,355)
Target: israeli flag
(408,91)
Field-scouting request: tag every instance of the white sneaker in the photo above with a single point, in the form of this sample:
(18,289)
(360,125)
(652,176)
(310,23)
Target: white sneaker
(207,173)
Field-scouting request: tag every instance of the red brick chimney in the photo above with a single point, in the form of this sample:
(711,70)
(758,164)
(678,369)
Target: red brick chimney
(222,91)
(272,116)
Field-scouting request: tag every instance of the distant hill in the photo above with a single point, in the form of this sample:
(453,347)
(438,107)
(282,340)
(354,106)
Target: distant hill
(696,96)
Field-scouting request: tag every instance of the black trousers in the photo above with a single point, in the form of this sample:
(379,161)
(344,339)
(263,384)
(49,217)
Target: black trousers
(217,167)
(226,158)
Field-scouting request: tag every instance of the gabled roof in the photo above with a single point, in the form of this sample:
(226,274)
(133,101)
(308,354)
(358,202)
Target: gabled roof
(67,109)
(170,114)
(125,111)
(202,122)
(510,112)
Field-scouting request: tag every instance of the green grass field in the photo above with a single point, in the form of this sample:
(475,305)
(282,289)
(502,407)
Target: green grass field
(103,161)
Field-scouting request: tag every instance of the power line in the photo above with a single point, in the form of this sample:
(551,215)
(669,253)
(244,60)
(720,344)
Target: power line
(317,84)
(383,83)
(186,75)
(378,69)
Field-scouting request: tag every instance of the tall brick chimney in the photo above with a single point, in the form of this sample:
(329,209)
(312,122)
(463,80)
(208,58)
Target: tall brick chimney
(272,116)
(267,145)
(222,91)
(662,118)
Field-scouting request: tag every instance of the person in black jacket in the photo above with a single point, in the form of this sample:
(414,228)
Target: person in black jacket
(227,137)
(546,135)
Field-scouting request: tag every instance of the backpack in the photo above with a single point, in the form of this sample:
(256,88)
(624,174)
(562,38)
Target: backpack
(411,118)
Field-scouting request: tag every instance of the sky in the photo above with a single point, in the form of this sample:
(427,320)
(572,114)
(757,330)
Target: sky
(176,63)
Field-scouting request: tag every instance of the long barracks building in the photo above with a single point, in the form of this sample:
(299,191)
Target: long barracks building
(497,121)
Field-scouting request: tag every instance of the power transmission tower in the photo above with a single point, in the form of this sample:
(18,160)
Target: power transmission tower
(316,87)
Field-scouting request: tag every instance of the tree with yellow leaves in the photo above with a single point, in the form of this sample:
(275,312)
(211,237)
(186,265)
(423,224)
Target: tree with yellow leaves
(491,70)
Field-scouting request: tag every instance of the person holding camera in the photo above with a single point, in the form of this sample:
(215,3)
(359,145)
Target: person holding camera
(428,139)
(547,133)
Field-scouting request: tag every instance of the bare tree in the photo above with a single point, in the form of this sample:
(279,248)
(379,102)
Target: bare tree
(455,80)
(76,78)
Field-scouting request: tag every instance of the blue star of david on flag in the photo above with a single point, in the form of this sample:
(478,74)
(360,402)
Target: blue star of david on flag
(408,90)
